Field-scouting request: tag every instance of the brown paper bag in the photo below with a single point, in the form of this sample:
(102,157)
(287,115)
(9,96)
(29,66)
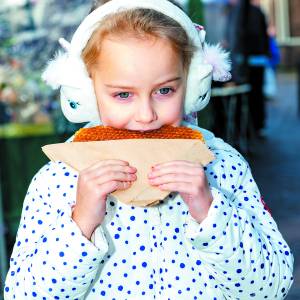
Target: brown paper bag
(140,153)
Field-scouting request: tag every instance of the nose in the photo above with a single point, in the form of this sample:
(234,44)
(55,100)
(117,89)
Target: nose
(145,112)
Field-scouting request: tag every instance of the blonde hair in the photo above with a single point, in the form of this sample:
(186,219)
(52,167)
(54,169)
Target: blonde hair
(139,23)
(98,3)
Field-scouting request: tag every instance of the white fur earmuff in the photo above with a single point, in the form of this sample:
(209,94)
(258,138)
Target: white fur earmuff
(68,72)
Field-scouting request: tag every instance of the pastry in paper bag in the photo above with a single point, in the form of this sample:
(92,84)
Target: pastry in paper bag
(141,153)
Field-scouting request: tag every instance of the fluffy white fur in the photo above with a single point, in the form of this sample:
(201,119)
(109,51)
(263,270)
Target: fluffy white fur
(65,44)
(55,69)
(216,56)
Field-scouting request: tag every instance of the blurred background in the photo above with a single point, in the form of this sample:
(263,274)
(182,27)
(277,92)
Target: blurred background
(258,111)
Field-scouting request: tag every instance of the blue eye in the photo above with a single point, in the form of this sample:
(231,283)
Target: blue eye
(165,90)
(73,104)
(124,95)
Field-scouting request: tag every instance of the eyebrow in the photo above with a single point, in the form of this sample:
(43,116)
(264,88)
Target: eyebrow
(120,86)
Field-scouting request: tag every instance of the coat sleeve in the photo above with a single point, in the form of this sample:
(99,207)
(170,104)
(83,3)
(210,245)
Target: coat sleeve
(239,241)
(51,258)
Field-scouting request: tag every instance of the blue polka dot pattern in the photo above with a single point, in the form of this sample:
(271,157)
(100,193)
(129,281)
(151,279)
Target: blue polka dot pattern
(156,252)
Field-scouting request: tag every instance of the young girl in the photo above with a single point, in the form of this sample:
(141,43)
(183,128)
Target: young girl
(139,65)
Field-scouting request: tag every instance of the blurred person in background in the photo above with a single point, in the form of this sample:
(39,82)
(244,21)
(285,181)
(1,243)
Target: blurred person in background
(248,41)
(257,47)
(215,10)
(274,49)
(270,80)
(234,39)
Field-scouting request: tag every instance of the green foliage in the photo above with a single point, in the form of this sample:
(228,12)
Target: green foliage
(195,11)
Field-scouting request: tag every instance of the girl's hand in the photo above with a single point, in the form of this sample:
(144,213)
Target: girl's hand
(189,180)
(94,184)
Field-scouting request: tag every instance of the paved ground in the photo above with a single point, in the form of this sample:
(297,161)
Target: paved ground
(275,164)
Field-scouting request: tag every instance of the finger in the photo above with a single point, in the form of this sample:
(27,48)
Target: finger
(107,162)
(114,176)
(172,178)
(111,186)
(101,171)
(176,187)
(192,170)
(173,163)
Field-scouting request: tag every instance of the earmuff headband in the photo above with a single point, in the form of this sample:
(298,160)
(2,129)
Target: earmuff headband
(77,93)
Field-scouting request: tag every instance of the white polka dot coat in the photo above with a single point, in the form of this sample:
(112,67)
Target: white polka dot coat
(150,253)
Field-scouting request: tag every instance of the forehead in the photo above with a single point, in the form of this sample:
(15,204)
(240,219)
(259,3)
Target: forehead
(135,44)
(138,57)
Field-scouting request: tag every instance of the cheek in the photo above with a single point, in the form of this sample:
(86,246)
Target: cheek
(113,116)
(172,113)
(109,114)
(177,107)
